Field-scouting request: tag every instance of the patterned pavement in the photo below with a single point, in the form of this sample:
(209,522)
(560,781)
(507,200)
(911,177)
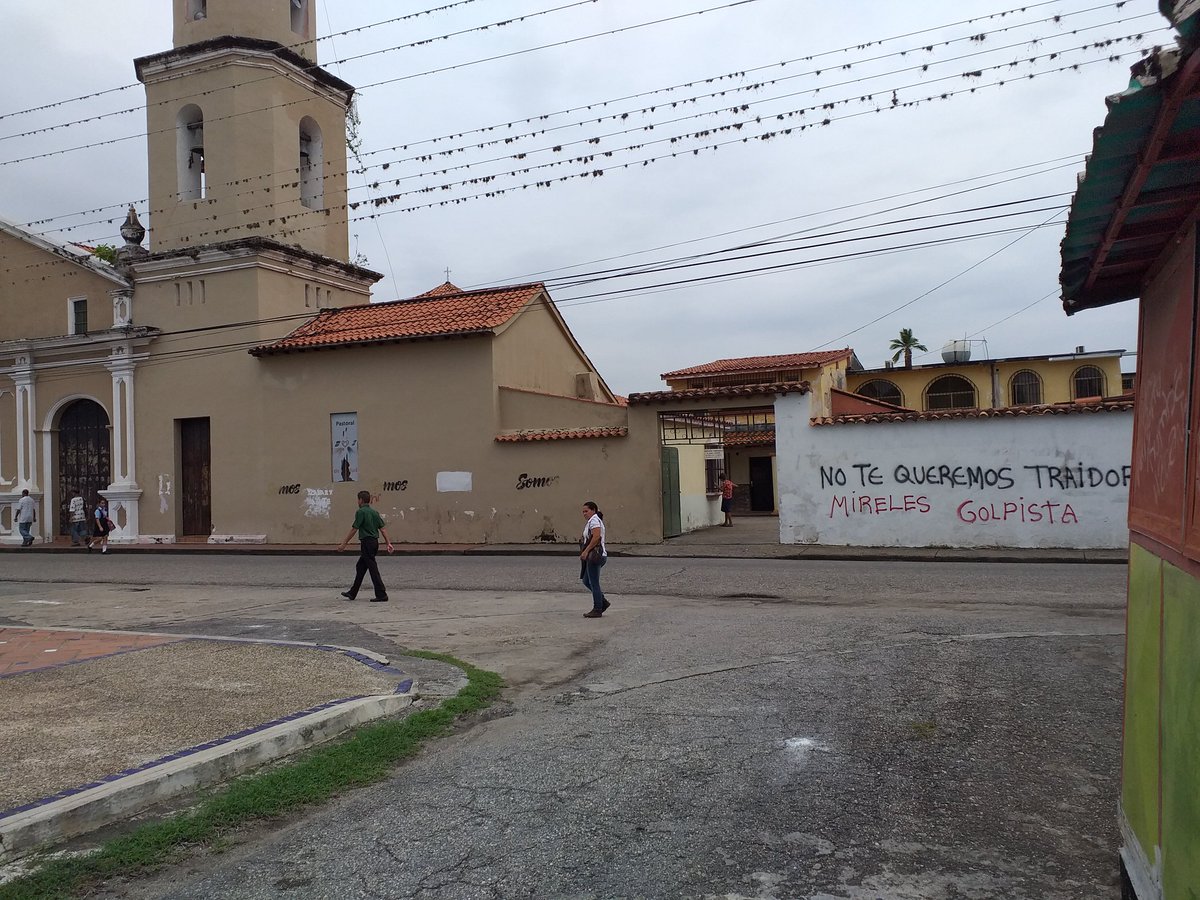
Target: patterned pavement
(30,649)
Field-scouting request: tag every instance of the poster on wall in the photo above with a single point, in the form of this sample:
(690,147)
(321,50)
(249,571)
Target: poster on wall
(343,428)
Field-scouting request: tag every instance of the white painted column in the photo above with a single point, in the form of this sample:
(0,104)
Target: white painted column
(26,397)
(123,494)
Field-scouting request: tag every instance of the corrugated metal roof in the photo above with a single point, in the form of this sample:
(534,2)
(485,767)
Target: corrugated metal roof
(1142,179)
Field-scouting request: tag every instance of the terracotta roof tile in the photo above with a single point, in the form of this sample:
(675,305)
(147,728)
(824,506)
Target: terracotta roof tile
(1121,404)
(758,363)
(442,312)
(737,390)
(749,438)
(562,434)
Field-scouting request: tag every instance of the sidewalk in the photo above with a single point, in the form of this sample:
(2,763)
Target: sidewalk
(751,537)
(102,724)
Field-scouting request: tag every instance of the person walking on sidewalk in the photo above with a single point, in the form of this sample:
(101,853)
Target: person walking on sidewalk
(593,554)
(77,514)
(26,516)
(727,487)
(369,525)
(101,525)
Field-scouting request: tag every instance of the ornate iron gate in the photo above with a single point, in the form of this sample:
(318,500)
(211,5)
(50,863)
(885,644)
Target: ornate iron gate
(83,455)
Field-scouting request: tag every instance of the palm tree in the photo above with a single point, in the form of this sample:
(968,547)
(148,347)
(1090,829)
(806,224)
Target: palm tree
(905,345)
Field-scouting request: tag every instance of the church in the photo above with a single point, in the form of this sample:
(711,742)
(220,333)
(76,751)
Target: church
(229,378)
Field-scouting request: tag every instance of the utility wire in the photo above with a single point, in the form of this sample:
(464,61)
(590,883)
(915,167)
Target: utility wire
(512,139)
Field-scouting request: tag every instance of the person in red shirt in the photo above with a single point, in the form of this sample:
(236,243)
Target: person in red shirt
(727,487)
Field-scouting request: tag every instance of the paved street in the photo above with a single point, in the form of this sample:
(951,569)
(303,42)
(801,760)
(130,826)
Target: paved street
(733,728)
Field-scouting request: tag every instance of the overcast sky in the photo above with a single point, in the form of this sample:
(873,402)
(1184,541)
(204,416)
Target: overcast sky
(1014,148)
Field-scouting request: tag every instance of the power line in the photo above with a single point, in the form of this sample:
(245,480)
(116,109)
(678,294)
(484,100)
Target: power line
(511,139)
(596,172)
(563,43)
(327,37)
(939,286)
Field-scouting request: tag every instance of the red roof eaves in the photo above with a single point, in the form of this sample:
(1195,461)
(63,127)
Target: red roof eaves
(561,434)
(739,390)
(760,363)
(1008,412)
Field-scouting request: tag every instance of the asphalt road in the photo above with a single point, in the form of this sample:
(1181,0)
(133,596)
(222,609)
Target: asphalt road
(732,729)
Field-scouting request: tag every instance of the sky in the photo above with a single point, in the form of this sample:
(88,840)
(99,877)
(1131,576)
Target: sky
(886,125)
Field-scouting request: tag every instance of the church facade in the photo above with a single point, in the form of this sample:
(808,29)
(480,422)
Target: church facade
(232,381)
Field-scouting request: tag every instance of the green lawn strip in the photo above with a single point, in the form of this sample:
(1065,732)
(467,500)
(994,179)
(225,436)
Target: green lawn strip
(367,756)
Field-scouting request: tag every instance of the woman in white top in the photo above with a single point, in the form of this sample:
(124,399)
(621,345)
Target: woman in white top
(589,571)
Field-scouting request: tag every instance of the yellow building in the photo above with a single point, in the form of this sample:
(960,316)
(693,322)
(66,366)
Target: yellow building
(994,383)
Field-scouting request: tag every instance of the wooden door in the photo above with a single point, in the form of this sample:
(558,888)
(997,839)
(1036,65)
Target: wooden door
(195,471)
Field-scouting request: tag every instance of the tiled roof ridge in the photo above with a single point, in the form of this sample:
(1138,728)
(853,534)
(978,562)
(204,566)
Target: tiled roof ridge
(1121,404)
(561,434)
(736,390)
(751,363)
(438,316)
(439,292)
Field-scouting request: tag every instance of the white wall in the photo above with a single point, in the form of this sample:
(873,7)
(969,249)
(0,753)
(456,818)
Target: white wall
(1048,481)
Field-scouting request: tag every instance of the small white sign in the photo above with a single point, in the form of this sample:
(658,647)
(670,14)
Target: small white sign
(448,482)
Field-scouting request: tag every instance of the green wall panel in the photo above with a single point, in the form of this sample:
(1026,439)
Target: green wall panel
(1181,735)
(1139,763)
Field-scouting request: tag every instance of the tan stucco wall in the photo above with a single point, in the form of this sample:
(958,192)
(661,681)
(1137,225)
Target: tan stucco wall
(534,351)
(267,19)
(522,410)
(422,408)
(252,116)
(35,290)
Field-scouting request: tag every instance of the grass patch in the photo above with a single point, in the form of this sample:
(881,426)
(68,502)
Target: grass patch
(315,776)
(924,730)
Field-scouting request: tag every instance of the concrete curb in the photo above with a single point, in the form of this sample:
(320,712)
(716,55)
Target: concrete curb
(791,552)
(120,796)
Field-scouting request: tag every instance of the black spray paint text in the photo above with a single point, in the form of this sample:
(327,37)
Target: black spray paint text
(525,481)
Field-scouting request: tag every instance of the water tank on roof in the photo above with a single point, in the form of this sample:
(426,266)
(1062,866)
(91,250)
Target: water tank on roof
(956,351)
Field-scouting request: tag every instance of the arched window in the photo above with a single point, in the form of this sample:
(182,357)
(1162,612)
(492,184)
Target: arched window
(1025,389)
(312,165)
(1088,381)
(189,129)
(300,17)
(881,389)
(950,392)
(197,9)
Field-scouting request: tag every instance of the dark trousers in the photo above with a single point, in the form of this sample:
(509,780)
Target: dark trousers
(367,548)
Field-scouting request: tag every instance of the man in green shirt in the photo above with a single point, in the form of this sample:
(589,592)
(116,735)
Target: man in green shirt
(369,525)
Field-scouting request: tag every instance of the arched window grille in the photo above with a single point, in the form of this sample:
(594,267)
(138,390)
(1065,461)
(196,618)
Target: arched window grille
(189,132)
(1088,381)
(950,392)
(312,164)
(1025,388)
(881,389)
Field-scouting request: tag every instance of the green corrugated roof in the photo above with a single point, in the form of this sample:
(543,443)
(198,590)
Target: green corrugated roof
(1163,84)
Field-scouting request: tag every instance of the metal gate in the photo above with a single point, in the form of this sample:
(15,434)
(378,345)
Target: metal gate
(672,519)
(83,456)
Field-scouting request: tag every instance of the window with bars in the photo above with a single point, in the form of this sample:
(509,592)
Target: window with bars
(79,322)
(718,426)
(883,390)
(1088,381)
(950,392)
(1025,389)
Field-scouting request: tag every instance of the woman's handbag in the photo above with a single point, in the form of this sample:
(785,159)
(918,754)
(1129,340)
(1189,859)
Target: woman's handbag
(594,556)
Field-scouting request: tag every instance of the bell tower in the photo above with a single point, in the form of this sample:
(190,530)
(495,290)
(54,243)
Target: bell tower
(246,132)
